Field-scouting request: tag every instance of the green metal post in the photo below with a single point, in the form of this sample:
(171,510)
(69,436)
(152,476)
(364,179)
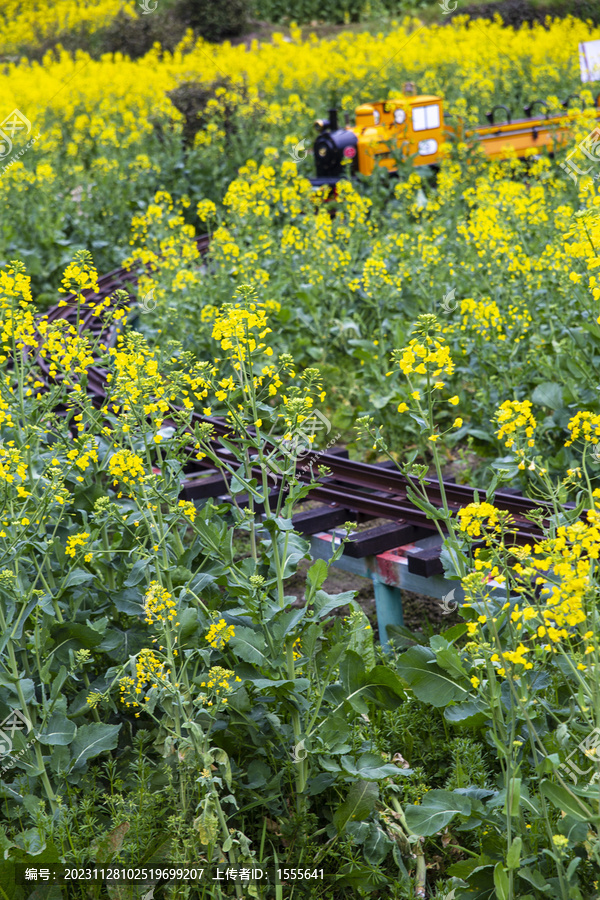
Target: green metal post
(388,605)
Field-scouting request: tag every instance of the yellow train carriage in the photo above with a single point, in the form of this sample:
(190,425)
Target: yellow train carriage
(414,125)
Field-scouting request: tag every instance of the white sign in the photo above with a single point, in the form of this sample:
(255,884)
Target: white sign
(589,60)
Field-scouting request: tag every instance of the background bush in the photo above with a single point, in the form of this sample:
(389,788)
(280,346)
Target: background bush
(334,11)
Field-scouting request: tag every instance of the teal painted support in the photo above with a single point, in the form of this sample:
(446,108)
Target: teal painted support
(388,604)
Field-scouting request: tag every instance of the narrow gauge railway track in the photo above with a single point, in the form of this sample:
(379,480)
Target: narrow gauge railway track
(352,491)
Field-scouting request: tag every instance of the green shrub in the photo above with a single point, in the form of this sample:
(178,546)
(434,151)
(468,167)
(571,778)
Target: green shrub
(214,21)
(334,11)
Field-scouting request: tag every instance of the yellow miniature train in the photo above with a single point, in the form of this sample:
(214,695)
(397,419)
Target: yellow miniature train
(414,125)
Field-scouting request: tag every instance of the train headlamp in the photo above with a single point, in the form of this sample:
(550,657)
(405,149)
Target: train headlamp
(399,116)
(428,147)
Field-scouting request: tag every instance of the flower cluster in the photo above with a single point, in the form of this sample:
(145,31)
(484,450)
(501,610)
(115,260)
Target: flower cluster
(515,420)
(188,509)
(76,541)
(585,426)
(159,605)
(218,683)
(219,634)
(479,520)
(150,673)
(11,463)
(80,275)
(126,467)
(241,328)
(427,354)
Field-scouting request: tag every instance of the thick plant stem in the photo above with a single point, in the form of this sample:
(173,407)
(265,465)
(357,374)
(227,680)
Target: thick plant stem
(421,876)
(38,753)
(231,853)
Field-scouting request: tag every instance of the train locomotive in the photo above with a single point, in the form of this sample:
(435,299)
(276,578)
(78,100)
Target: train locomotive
(414,125)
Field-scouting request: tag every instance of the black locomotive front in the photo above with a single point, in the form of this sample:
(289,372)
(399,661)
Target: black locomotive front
(332,147)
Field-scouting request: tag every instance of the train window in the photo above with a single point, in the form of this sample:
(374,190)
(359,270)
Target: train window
(376,117)
(426,117)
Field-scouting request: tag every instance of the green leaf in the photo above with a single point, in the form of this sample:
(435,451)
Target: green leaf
(137,573)
(278,523)
(188,621)
(437,809)
(60,759)
(249,646)
(549,394)
(58,683)
(326,603)
(335,734)
(470,713)
(239,485)
(513,797)
(376,846)
(455,632)
(262,684)
(352,672)
(428,508)
(286,622)
(83,635)
(361,637)
(317,574)
(536,879)
(128,602)
(59,730)
(429,682)
(358,804)
(564,801)
(450,557)
(200,582)
(320,783)
(90,741)
(501,882)
(292,548)
(447,657)
(513,857)
(77,576)
(371,767)
(384,688)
